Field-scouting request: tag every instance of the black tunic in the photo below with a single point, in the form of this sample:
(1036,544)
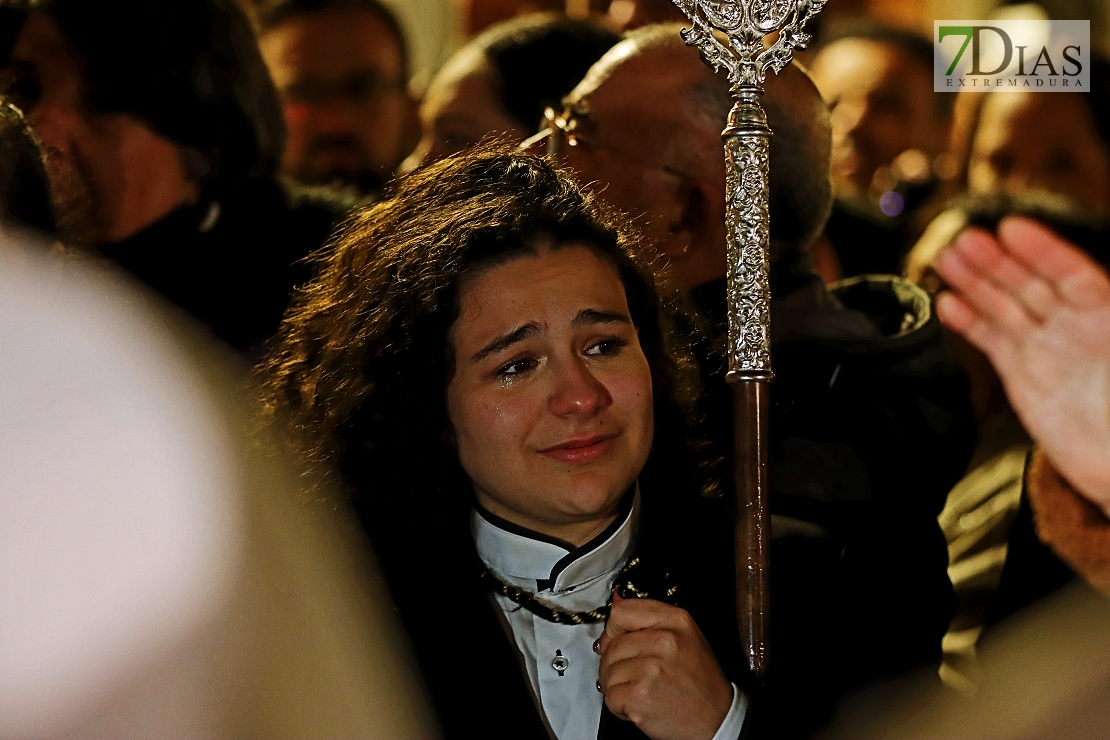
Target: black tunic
(471,667)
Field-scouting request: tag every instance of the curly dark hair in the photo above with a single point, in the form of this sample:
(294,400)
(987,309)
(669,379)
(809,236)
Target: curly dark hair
(363,360)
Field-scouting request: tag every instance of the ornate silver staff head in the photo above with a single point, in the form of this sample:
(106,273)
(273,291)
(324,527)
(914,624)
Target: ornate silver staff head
(739,50)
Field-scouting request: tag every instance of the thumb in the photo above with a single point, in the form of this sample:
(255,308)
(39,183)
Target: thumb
(612,629)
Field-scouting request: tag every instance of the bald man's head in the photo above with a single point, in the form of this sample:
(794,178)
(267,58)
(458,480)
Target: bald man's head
(651,113)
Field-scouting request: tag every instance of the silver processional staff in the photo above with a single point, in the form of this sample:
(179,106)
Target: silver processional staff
(730,35)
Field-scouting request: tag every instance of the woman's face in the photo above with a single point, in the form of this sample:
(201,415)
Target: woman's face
(551,399)
(1040,141)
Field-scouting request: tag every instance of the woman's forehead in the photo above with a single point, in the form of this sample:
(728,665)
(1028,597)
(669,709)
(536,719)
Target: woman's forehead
(541,252)
(552,282)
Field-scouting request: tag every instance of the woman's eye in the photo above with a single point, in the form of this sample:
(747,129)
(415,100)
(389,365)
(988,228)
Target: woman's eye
(516,367)
(606,347)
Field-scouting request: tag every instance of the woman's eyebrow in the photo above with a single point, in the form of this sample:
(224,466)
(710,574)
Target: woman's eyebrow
(507,340)
(590,316)
(585,317)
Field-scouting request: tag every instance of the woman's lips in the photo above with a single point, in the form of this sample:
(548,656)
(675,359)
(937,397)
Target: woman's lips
(580,451)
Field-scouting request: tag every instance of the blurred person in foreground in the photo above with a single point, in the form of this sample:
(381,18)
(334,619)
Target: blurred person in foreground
(165,572)
(888,128)
(500,83)
(162,130)
(488,360)
(1039,308)
(870,423)
(341,68)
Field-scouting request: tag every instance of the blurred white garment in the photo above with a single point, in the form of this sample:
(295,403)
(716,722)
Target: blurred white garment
(161,573)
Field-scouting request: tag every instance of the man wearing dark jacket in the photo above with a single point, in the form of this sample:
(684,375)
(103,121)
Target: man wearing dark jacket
(161,130)
(870,422)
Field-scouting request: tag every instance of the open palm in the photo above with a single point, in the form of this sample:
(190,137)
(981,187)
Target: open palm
(1039,308)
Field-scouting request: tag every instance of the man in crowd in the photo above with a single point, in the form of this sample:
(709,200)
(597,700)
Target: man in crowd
(888,127)
(870,423)
(341,69)
(500,83)
(161,131)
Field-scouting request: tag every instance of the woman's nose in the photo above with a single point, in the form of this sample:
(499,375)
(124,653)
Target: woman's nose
(577,391)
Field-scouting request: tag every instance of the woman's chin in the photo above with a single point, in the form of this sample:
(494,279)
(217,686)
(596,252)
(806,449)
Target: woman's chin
(590,496)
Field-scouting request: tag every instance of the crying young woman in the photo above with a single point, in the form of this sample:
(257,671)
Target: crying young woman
(486,360)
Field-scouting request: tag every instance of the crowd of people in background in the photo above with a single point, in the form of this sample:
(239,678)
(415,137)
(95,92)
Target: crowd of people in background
(489,318)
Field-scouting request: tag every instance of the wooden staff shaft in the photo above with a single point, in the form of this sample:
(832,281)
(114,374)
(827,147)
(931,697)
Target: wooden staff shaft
(751,405)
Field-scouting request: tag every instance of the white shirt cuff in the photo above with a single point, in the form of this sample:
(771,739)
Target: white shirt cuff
(734,720)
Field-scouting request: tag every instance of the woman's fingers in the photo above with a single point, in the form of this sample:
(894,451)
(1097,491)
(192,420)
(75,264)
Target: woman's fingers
(628,685)
(657,643)
(961,318)
(684,694)
(1076,277)
(985,255)
(956,314)
(641,669)
(980,293)
(631,615)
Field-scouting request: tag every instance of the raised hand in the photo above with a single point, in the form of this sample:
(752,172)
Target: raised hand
(658,671)
(1039,308)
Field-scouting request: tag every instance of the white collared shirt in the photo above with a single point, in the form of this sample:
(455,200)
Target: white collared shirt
(559,659)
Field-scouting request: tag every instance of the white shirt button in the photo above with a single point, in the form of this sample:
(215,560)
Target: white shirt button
(560,662)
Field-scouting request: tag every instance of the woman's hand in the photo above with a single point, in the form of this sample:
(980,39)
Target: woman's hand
(1039,308)
(658,671)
